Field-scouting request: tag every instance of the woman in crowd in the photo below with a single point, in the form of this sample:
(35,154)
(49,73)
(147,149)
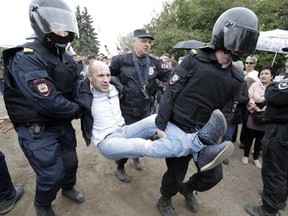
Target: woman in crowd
(256,104)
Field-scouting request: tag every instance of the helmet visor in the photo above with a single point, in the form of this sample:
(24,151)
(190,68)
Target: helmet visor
(50,19)
(240,39)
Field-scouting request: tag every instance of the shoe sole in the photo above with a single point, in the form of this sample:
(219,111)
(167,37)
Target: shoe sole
(225,126)
(224,154)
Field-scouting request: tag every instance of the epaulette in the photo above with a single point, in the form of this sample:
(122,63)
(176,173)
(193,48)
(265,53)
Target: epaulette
(153,56)
(28,50)
(193,51)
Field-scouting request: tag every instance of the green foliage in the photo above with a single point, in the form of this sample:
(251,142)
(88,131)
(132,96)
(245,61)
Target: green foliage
(87,43)
(194,19)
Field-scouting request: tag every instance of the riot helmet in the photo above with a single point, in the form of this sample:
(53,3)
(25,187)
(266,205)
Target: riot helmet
(52,16)
(236,31)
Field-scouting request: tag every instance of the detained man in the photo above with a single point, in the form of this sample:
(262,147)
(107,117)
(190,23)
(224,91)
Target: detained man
(103,125)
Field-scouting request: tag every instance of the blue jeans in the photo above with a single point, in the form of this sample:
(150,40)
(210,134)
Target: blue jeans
(130,141)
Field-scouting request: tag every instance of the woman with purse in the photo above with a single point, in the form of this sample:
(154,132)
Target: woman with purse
(256,106)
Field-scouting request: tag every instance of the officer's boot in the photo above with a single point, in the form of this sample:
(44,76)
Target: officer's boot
(189,197)
(121,174)
(137,164)
(259,211)
(44,211)
(165,206)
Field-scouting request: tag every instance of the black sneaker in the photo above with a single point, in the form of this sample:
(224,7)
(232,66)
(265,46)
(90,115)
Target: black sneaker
(44,211)
(122,175)
(213,131)
(137,164)
(213,155)
(189,198)
(164,205)
(258,211)
(7,205)
(73,195)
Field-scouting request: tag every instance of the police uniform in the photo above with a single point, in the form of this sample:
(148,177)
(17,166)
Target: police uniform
(275,147)
(139,85)
(198,86)
(38,91)
(7,190)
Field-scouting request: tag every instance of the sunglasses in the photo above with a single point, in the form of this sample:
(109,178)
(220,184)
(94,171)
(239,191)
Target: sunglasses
(249,62)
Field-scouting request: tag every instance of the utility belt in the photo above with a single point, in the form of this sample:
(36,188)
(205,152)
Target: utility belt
(35,129)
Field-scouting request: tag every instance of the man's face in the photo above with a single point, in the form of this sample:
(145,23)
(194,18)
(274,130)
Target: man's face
(142,46)
(100,78)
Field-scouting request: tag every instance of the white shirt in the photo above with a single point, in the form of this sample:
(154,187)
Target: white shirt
(106,112)
(253,74)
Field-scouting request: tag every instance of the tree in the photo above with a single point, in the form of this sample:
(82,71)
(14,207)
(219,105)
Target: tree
(87,43)
(194,19)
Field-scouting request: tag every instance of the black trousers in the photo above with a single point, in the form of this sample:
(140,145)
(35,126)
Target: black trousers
(175,174)
(53,157)
(275,166)
(7,190)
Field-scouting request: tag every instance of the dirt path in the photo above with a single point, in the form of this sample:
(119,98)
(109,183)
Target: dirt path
(106,196)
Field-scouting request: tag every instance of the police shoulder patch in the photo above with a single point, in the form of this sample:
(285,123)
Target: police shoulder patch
(28,50)
(174,79)
(283,84)
(42,88)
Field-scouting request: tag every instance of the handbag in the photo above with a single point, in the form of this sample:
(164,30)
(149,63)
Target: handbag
(258,118)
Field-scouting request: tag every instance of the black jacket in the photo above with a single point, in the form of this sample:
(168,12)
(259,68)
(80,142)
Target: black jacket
(198,86)
(133,103)
(39,84)
(276,97)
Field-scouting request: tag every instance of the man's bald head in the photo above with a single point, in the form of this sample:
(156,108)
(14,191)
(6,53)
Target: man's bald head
(99,76)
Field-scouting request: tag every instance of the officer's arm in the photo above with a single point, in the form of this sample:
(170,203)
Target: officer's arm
(175,85)
(30,74)
(277,93)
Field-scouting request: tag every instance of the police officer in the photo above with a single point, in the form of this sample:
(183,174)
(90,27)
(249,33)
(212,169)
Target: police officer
(274,152)
(9,194)
(40,79)
(138,72)
(205,80)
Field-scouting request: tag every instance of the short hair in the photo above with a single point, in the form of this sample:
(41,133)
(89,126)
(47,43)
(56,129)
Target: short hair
(253,57)
(272,71)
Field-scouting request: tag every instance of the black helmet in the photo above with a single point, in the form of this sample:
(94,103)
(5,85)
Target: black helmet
(236,30)
(50,16)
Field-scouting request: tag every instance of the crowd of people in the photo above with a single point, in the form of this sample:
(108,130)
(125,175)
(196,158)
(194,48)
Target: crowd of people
(115,98)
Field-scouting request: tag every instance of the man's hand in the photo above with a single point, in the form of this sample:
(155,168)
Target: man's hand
(161,133)
(5,124)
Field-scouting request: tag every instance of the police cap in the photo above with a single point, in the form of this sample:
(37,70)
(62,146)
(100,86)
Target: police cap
(142,33)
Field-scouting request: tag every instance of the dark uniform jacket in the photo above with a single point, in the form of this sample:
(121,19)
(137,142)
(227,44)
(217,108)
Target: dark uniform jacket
(85,98)
(133,102)
(39,85)
(198,86)
(276,95)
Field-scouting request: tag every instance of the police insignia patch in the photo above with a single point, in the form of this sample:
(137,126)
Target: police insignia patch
(283,84)
(151,71)
(41,87)
(174,79)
